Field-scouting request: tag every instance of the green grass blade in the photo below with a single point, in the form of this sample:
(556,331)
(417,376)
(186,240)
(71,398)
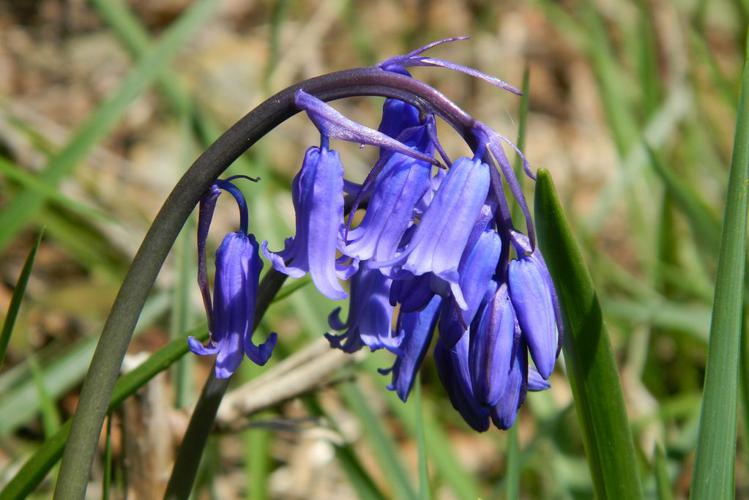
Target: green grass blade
(107,480)
(703,221)
(662,481)
(37,467)
(20,399)
(27,203)
(17,298)
(441,452)
(716,447)
(512,476)
(591,368)
(424,491)
(50,416)
(381,443)
(31,183)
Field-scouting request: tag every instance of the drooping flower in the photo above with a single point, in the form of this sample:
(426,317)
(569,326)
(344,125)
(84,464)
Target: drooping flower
(231,313)
(533,297)
(317,192)
(454,373)
(441,236)
(397,189)
(370,314)
(416,330)
(491,347)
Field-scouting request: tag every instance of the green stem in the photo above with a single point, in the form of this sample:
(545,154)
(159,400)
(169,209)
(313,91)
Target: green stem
(201,422)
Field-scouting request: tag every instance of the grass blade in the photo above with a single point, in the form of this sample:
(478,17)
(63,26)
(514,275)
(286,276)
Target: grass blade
(27,203)
(15,301)
(591,368)
(424,493)
(662,481)
(512,476)
(37,467)
(716,447)
(50,416)
(20,399)
(382,444)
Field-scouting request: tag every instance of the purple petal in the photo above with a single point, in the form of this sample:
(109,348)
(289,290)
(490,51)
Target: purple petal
(317,192)
(477,266)
(504,413)
(533,305)
(201,350)
(441,236)
(397,116)
(399,187)
(453,371)
(331,123)
(229,355)
(370,314)
(416,330)
(491,348)
(260,354)
(536,382)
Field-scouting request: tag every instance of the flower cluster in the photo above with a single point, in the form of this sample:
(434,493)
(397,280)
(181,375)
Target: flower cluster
(434,249)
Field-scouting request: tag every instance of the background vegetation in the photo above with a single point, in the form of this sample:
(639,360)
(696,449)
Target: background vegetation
(103,104)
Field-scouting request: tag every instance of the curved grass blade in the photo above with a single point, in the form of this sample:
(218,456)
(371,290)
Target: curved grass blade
(716,447)
(591,368)
(15,301)
(37,467)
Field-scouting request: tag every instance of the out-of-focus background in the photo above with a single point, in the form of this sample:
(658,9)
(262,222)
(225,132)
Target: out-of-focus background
(105,103)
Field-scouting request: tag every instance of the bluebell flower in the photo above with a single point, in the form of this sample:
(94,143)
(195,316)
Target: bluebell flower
(454,372)
(491,347)
(504,412)
(231,313)
(477,266)
(416,330)
(441,236)
(317,192)
(370,314)
(397,189)
(398,116)
(533,297)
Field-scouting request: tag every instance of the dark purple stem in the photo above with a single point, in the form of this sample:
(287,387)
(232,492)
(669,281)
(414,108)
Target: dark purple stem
(115,338)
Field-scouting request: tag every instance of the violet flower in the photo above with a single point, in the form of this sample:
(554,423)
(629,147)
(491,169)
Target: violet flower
(533,297)
(231,313)
(416,330)
(370,314)
(317,192)
(441,236)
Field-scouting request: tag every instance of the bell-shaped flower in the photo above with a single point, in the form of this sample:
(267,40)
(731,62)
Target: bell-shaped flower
(398,116)
(370,314)
(491,348)
(454,373)
(416,330)
(317,193)
(397,189)
(533,297)
(231,313)
(441,236)
(504,412)
(477,266)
